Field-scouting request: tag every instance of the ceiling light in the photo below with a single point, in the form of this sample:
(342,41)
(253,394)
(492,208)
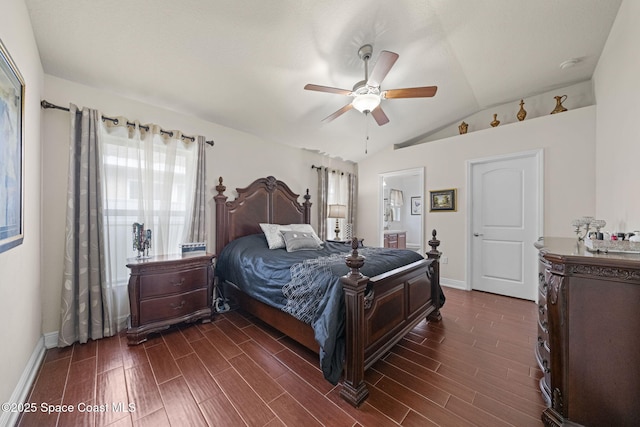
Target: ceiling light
(366,102)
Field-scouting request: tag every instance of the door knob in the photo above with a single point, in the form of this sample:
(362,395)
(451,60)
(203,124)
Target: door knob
(478,234)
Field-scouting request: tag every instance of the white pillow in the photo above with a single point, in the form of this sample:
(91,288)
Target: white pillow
(273,233)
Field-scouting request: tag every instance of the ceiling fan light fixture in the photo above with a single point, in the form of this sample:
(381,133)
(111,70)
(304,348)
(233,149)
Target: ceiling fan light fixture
(366,102)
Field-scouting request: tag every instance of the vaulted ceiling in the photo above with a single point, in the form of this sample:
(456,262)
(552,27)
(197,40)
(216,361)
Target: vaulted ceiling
(244,63)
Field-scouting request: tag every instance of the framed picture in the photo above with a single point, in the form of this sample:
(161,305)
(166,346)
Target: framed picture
(11,152)
(416,205)
(443,200)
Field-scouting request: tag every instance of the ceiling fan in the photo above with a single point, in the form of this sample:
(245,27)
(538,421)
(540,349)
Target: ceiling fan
(366,94)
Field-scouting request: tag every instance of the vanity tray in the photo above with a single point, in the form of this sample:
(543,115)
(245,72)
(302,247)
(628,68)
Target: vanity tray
(612,246)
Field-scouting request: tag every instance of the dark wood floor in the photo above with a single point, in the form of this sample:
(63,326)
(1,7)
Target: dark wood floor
(477,367)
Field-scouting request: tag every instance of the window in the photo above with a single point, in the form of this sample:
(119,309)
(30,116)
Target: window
(150,179)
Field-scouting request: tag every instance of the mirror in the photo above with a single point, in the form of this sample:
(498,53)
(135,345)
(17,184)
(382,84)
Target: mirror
(402,209)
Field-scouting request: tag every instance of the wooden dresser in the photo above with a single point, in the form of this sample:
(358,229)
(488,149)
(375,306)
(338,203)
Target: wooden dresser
(588,335)
(169,289)
(395,239)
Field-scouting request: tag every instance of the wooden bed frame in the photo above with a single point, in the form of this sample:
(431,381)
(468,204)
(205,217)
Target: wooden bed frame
(379,310)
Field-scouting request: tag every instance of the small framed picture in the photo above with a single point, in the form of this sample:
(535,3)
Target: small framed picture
(416,205)
(443,200)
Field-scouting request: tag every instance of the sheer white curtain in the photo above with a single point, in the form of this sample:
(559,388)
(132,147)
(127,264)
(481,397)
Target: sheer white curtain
(149,178)
(338,194)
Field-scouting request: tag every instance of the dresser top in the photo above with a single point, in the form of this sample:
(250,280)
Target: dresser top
(570,250)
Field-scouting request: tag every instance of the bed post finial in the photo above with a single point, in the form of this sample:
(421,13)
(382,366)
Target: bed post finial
(355,261)
(306,205)
(220,188)
(434,243)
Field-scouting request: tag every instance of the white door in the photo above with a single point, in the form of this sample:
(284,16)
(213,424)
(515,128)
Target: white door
(505,212)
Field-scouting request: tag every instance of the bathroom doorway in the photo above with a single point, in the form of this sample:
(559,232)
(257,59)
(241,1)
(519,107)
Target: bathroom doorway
(402,209)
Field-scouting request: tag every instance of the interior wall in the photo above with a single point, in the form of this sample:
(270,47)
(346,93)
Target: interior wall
(617,91)
(20,296)
(568,141)
(237,156)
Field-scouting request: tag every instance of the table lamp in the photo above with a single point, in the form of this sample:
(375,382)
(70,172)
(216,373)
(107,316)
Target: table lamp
(337,212)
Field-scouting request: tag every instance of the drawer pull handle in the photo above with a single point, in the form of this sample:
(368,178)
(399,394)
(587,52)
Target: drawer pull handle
(180,283)
(545,365)
(178,307)
(540,341)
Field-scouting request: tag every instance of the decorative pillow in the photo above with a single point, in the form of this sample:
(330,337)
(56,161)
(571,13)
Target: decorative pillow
(299,241)
(305,228)
(273,235)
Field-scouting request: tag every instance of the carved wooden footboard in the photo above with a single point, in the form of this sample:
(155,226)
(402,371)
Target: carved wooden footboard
(379,310)
(383,309)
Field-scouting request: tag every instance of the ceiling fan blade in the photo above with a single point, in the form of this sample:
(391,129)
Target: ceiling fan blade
(379,115)
(327,89)
(338,113)
(412,92)
(382,67)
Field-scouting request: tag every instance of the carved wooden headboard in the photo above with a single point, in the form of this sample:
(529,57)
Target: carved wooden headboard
(265,200)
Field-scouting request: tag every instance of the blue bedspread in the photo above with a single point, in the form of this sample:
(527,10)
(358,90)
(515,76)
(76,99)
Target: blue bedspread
(305,284)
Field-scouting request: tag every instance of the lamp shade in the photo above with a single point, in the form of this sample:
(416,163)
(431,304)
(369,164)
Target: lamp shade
(337,211)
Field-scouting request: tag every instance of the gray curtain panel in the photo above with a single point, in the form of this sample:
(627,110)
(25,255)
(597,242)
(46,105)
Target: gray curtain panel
(197,229)
(352,208)
(82,314)
(323,194)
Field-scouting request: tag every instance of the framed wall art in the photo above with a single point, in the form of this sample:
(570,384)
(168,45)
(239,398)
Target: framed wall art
(11,152)
(416,205)
(443,200)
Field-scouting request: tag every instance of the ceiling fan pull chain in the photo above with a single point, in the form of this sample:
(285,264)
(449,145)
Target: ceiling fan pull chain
(366,132)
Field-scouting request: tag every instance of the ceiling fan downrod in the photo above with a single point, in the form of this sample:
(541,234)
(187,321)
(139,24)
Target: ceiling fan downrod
(365,54)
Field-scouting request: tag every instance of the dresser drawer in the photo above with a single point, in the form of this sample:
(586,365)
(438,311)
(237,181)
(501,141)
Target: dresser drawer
(154,285)
(156,309)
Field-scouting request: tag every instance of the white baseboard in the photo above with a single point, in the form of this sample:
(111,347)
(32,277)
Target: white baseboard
(20,393)
(51,340)
(457,284)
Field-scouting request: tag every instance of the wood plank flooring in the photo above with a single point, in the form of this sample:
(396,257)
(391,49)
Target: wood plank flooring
(476,367)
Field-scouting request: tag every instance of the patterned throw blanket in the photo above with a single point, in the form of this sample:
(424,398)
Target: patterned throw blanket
(310,280)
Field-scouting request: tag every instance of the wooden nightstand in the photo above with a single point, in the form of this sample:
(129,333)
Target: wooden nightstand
(169,289)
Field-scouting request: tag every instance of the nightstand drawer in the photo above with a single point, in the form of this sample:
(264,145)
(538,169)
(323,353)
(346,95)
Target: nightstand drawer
(155,309)
(153,285)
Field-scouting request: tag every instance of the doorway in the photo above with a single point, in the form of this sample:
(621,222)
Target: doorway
(505,214)
(401,196)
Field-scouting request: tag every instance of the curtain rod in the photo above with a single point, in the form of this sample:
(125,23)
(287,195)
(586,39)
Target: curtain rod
(46,104)
(331,170)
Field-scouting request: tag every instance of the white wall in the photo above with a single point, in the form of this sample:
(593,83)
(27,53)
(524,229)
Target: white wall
(568,140)
(20,297)
(617,91)
(237,156)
